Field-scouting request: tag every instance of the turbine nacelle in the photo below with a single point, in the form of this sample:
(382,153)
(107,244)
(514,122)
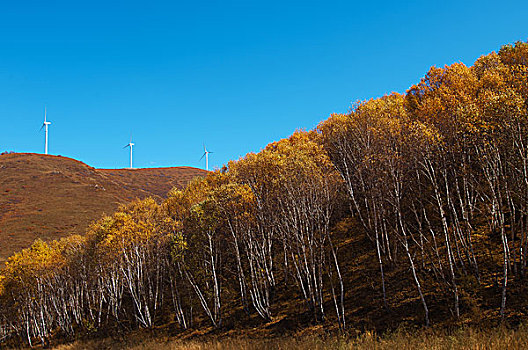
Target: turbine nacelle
(45,124)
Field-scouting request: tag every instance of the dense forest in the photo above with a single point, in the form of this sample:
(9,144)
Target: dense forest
(436,180)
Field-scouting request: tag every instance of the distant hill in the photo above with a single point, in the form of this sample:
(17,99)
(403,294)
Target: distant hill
(49,197)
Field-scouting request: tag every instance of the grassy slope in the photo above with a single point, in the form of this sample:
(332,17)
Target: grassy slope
(364,301)
(50,197)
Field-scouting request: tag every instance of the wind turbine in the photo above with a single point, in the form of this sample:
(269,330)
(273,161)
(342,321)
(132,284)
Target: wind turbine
(206,155)
(45,126)
(130,144)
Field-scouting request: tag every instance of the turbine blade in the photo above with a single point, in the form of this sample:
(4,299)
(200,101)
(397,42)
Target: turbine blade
(202,156)
(42,127)
(126,146)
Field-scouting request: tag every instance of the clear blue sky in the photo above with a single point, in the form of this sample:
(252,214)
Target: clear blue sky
(233,74)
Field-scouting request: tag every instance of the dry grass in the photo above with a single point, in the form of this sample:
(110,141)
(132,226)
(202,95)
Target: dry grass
(469,338)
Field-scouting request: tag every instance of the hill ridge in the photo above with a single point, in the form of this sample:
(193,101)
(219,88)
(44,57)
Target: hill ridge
(52,196)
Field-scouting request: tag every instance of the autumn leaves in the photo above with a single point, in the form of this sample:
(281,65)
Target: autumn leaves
(440,173)
(260,222)
(437,179)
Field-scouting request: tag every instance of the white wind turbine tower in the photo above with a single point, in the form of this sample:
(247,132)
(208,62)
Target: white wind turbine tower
(45,126)
(206,155)
(130,144)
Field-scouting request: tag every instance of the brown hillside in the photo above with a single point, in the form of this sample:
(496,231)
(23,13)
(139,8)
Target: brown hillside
(155,181)
(49,197)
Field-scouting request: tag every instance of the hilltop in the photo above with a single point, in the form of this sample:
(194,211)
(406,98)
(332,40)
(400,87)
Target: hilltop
(49,197)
